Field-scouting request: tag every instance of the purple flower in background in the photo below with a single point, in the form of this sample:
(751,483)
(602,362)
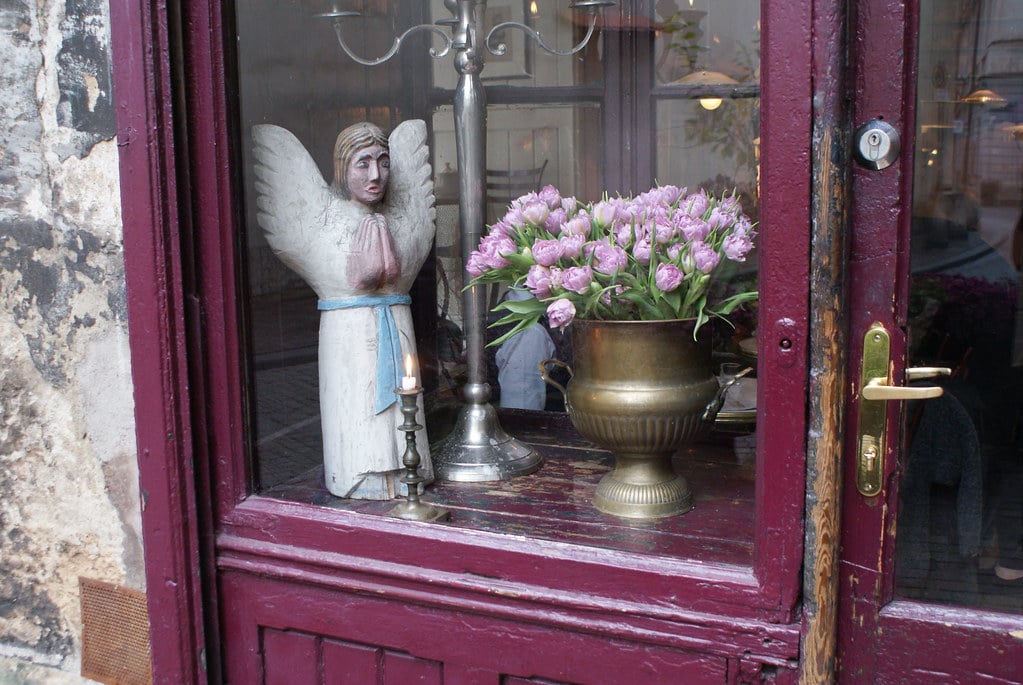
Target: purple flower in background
(555,220)
(663,233)
(731,204)
(691,227)
(658,214)
(536,212)
(577,279)
(671,194)
(736,247)
(513,217)
(609,258)
(696,204)
(547,252)
(572,244)
(538,280)
(719,218)
(550,196)
(499,244)
(641,251)
(674,250)
(667,277)
(560,313)
(624,233)
(705,258)
(604,213)
(476,266)
(493,249)
(744,227)
(577,225)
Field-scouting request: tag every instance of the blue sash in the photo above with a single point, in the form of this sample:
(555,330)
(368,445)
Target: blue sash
(389,349)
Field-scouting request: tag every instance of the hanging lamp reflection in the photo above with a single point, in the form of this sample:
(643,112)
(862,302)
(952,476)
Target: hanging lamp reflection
(985,97)
(710,79)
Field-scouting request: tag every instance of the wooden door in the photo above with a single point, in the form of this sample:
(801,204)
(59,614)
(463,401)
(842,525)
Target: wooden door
(932,512)
(254,580)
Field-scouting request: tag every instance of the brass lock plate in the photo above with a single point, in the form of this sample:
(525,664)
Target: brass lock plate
(873,413)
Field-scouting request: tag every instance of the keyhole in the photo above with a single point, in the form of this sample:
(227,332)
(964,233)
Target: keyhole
(877,144)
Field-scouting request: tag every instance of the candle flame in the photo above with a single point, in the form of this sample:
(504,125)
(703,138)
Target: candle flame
(408,364)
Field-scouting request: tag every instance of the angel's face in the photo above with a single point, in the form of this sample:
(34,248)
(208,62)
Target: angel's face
(368,173)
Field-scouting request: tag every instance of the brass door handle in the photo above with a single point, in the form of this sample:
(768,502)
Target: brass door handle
(915,373)
(876,389)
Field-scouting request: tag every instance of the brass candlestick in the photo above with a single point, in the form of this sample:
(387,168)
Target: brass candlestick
(412,508)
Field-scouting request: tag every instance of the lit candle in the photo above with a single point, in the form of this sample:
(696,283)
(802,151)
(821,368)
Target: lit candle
(408,381)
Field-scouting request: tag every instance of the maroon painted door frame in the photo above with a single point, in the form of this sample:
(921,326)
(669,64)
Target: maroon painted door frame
(152,215)
(881,637)
(201,524)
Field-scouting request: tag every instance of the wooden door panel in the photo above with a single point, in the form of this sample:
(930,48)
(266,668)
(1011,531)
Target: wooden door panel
(350,663)
(296,634)
(295,658)
(927,643)
(290,658)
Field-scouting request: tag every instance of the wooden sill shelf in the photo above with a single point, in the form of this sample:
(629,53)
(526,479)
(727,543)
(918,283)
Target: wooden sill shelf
(555,502)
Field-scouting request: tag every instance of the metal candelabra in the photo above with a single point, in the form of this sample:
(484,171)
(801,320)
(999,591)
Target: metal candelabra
(477,449)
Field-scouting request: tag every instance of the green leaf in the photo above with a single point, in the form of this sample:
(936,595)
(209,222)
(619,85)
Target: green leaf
(529,306)
(729,304)
(647,308)
(522,325)
(674,299)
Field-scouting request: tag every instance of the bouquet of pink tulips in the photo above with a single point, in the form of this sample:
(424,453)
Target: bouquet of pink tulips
(649,257)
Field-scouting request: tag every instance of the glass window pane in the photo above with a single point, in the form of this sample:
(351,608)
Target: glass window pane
(522,63)
(961,518)
(546,125)
(720,40)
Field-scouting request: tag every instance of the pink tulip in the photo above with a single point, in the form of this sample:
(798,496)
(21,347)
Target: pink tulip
(667,277)
(641,251)
(705,258)
(538,280)
(560,313)
(536,212)
(736,247)
(609,258)
(572,245)
(547,252)
(577,279)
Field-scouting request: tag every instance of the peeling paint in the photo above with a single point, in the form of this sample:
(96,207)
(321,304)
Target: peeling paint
(69,503)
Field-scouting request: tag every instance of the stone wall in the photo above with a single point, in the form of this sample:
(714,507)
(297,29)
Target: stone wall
(69,504)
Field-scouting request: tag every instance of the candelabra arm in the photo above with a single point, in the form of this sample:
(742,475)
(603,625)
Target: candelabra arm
(435,53)
(498,49)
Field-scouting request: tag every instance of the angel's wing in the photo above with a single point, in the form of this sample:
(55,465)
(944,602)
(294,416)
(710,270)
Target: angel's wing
(410,207)
(292,196)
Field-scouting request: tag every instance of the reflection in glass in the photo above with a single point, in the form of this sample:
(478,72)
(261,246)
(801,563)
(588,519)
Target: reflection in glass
(961,509)
(550,121)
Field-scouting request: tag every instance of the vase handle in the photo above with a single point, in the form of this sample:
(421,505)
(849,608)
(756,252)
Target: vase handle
(550,381)
(711,412)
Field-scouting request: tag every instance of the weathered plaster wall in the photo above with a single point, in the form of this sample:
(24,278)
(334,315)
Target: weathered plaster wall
(68,476)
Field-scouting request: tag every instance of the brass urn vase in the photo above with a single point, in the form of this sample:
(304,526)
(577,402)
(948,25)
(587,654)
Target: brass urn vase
(640,389)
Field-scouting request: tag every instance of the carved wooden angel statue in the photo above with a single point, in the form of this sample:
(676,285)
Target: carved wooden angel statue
(359,244)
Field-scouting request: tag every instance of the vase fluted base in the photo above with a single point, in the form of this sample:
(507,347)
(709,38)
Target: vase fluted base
(643,487)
